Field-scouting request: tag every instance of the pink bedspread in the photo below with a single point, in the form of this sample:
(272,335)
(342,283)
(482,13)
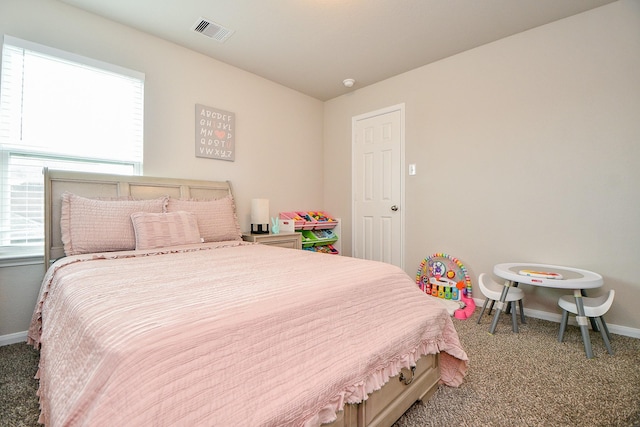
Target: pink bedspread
(232,334)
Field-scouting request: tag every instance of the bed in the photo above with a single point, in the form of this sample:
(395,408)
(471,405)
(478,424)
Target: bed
(193,326)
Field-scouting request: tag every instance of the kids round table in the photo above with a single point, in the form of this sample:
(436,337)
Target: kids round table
(550,276)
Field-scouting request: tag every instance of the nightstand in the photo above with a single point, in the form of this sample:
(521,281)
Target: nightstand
(283,240)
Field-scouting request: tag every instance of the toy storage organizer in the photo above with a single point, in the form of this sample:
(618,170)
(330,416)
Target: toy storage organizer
(319,230)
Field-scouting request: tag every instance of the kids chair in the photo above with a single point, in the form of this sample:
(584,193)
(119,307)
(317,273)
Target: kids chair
(593,307)
(492,291)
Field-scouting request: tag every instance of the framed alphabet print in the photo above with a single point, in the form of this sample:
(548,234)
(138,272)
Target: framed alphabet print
(215,133)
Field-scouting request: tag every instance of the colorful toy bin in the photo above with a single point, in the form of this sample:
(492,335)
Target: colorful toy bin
(310,220)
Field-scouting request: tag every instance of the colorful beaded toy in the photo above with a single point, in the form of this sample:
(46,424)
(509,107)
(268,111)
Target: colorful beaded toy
(444,276)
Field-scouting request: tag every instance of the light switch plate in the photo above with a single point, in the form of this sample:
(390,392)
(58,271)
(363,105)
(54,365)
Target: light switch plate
(412,169)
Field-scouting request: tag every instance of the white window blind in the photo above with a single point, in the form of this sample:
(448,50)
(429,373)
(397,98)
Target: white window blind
(62,111)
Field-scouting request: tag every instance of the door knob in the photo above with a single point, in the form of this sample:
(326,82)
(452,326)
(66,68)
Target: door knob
(394,208)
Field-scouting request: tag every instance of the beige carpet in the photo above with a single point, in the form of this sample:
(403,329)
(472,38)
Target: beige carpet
(530,379)
(525,379)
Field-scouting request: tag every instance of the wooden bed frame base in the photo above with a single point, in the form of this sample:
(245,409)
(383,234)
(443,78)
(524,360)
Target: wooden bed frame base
(383,407)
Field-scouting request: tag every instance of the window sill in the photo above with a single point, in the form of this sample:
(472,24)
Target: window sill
(16,261)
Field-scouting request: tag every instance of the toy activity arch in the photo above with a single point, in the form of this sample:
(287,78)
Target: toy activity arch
(444,276)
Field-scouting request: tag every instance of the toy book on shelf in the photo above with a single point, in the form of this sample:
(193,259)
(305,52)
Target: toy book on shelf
(326,249)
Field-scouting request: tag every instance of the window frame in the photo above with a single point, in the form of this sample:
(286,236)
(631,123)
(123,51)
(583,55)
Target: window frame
(25,254)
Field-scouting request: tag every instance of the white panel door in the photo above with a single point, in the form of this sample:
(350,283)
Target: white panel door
(378,156)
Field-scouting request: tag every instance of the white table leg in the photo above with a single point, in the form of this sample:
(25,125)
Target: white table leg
(503,296)
(583,323)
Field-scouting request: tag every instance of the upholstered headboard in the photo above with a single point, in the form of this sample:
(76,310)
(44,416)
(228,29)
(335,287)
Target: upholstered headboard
(93,185)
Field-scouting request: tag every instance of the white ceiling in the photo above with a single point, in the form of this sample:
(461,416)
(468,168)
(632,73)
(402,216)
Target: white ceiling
(313,45)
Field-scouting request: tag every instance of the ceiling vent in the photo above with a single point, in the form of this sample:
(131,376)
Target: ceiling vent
(212,30)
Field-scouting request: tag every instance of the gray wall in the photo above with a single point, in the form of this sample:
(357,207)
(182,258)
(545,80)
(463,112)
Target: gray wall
(549,113)
(527,149)
(279,131)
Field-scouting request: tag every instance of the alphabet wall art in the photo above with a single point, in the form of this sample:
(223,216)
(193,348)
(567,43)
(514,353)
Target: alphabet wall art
(215,133)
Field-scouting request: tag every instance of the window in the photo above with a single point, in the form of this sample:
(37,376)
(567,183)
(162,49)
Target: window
(62,111)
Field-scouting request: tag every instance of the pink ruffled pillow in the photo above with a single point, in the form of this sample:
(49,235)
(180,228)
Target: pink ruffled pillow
(217,220)
(92,225)
(159,230)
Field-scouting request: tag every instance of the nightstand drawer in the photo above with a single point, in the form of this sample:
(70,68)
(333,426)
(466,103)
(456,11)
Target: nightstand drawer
(283,240)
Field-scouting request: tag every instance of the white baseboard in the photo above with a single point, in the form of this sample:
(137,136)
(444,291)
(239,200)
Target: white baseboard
(556,317)
(13,338)
(536,314)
